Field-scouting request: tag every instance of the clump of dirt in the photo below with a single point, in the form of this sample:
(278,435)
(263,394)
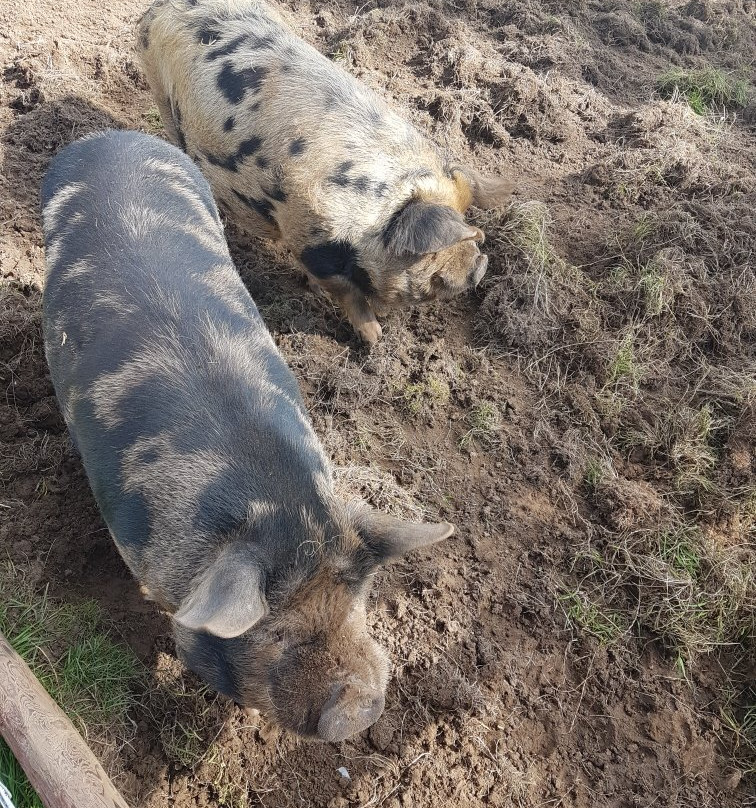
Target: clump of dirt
(586,419)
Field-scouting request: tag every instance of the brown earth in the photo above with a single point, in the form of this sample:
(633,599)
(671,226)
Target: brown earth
(495,699)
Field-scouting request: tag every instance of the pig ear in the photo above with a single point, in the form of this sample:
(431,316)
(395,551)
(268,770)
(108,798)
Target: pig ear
(389,538)
(420,228)
(487,192)
(229,598)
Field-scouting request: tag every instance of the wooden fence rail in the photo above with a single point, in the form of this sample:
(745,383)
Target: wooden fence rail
(59,764)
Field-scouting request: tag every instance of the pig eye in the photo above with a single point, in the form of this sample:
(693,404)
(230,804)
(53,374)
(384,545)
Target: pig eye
(356,580)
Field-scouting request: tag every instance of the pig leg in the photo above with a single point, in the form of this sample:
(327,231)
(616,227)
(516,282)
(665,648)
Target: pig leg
(331,265)
(361,316)
(354,304)
(315,287)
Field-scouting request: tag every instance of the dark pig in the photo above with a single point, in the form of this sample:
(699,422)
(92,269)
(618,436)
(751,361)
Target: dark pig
(197,444)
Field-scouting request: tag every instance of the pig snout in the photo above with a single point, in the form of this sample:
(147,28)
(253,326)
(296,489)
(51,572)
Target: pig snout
(478,271)
(350,710)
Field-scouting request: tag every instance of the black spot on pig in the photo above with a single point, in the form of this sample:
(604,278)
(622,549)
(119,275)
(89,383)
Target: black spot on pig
(248,147)
(341,177)
(421,228)
(227,49)
(336,258)
(131,523)
(206,35)
(277,193)
(234,84)
(148,456)
(177,119)
(208,657)
(216,511)
(229,124)
(231,162)
(297,146)
(260,42)
(362,184)
(262,207)
(362,281)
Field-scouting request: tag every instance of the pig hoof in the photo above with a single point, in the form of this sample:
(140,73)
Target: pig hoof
(371,332)
(316,288)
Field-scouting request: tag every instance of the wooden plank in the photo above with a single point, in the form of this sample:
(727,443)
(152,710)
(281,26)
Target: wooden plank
(59,764)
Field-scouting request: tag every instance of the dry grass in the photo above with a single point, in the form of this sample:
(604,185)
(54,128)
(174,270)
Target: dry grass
(379,489)
(529,306)
(656,340)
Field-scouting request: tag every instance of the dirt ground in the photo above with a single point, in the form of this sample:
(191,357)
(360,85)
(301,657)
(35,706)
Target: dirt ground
(537,425)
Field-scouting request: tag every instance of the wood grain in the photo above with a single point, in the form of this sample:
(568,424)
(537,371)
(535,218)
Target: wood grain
(57,761)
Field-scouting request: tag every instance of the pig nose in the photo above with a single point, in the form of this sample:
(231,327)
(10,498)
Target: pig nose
(479,270)
(351,710)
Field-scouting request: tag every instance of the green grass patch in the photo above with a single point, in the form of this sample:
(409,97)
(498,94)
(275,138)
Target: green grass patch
(13,778)
(622,365)
(430,392)
(706,89)
(673,582)
(592,617)
(484,422)
(739,719)
(72,652)
(342,54)
(654,287)
(594,474)
(153,121)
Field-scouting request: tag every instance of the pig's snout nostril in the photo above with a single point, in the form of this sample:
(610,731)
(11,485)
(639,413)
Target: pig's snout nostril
(349,713)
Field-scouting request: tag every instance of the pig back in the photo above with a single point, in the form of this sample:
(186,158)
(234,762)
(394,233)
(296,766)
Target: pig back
(189,423)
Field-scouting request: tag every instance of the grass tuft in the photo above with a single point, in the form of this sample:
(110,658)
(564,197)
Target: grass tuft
(594,618)
(153,121)
(12,776)
(705,89)
(739,719)
(594,474)
(623,367)
(484,422)
(72,652)
(429,393)
(677,584)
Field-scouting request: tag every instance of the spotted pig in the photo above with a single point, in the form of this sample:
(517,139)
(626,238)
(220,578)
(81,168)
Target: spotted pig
(296,148)
(197,445)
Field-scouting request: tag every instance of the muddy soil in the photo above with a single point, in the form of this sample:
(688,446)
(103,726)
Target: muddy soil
(495,700)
